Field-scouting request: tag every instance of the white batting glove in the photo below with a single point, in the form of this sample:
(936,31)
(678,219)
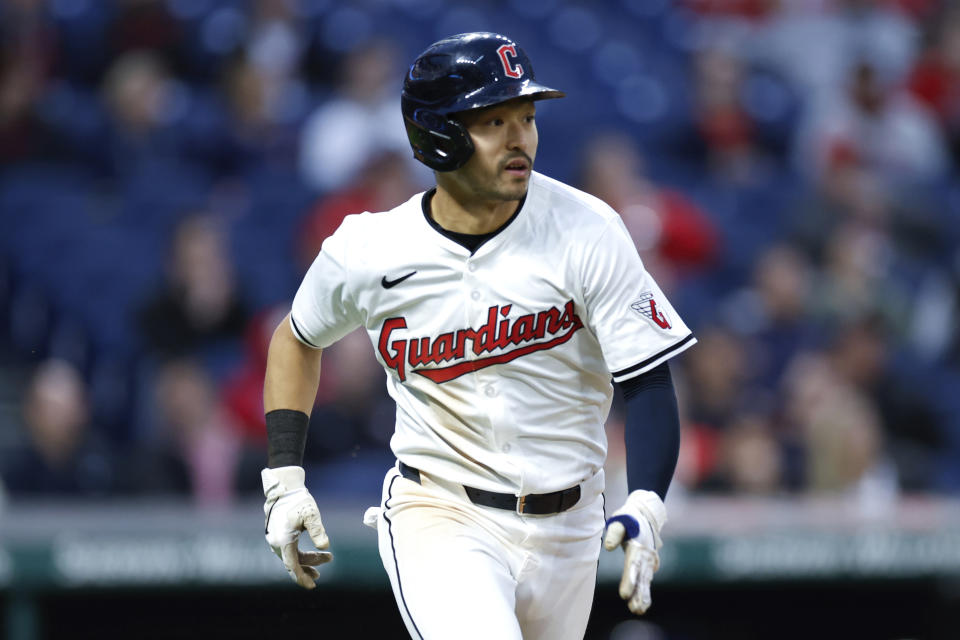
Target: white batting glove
(636,527)
(289,510)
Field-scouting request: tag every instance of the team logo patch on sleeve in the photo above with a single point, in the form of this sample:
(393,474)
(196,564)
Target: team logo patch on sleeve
(648,308)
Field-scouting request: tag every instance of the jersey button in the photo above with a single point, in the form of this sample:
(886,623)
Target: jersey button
(471,267)
(505,448)
(491,391)
(475,295)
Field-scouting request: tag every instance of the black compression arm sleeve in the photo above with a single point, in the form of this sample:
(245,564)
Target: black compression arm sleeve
(652,430)
(286,437)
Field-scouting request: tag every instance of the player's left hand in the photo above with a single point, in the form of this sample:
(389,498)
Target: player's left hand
(636,527)
(289,510)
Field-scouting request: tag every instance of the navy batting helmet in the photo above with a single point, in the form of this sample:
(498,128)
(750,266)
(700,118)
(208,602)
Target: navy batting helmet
(462,72)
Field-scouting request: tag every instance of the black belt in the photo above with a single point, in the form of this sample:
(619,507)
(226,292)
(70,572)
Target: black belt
(538,504)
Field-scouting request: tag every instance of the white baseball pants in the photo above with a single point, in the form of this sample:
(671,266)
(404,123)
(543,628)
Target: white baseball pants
(461,571)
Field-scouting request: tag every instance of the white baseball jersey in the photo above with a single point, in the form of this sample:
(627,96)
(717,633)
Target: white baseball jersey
(500,362)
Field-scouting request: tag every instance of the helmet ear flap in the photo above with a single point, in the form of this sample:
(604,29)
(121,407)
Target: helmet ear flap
(441,143)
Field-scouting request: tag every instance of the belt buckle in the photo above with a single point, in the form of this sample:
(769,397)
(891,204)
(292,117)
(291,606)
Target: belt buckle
(521,503)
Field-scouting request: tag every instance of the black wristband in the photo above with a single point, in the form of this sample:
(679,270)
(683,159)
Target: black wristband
(286,437)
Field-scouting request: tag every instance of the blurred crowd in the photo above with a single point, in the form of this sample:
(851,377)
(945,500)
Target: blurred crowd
(170,168)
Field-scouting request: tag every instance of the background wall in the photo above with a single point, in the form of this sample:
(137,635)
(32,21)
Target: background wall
(169,168)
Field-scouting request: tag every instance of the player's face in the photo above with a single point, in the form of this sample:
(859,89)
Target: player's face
(505,141)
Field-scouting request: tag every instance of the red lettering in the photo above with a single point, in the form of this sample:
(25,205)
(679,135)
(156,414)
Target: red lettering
(568,315)
(503,335)
(445,374)
(462,336)
(523,329)
(395,360)
(443,348)
(492,335)
(484,340)
(419,351)
(548,320)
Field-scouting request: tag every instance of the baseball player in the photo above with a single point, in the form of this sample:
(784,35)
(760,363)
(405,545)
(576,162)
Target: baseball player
(503,306)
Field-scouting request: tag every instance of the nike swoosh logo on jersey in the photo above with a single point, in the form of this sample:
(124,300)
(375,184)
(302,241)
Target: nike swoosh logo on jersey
(392,283)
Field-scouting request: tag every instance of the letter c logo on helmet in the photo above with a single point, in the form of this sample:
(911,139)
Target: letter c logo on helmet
(459,73)
(509,65)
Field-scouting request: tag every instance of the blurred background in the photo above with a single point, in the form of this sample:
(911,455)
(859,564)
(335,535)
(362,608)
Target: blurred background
(169,168)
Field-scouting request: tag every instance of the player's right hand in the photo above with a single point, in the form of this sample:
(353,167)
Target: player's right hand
(289,510)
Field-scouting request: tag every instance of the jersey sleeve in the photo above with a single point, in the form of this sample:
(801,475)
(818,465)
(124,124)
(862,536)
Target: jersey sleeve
(323,309)
(634,322)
